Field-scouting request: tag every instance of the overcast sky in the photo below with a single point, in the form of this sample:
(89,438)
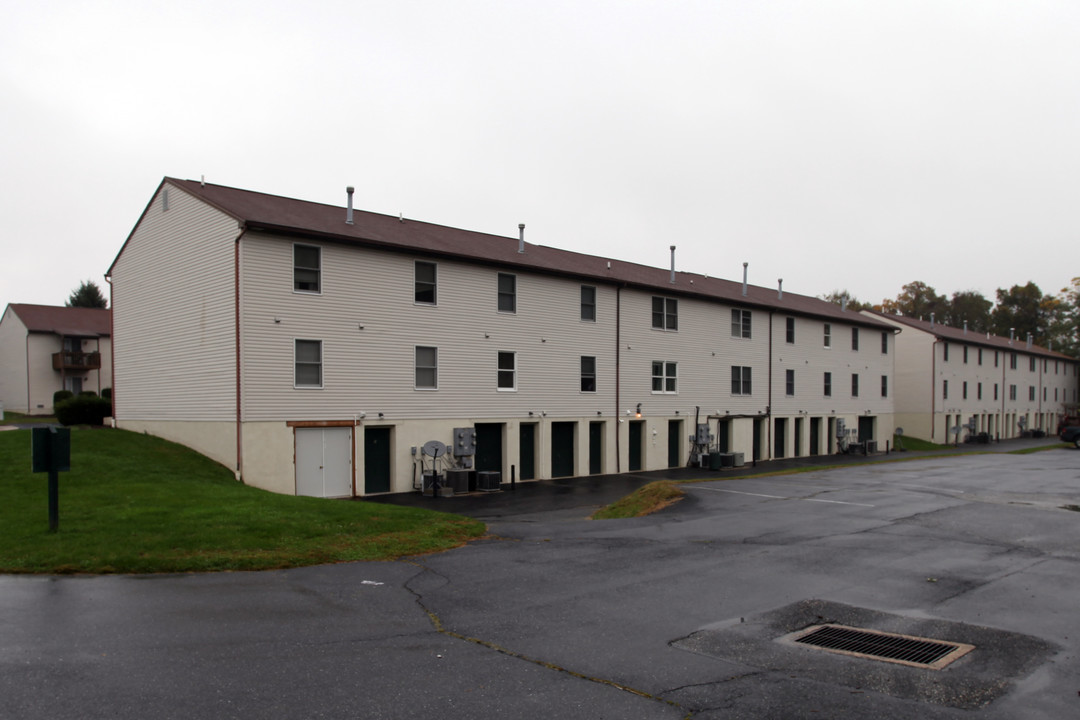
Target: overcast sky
(857,145)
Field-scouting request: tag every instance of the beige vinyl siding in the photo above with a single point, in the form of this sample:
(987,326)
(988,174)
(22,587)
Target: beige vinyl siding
(369,325)
(173,319)
(811,360)
(13,370)
(704,350)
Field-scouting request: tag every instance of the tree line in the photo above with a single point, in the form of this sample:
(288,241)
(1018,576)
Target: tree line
(1052,320)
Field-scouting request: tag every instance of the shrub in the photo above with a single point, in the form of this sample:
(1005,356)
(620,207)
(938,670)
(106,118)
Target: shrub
(87,393)
(61,395)
(106,393)
(83,410)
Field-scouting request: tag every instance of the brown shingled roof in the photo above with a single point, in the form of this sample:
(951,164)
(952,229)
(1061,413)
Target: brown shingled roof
(996,342)
(327,222)
(69,321)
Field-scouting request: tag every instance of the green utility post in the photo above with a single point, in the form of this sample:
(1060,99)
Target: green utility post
(50,451)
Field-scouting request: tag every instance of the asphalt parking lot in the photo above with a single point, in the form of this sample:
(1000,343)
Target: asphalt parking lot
(673,615)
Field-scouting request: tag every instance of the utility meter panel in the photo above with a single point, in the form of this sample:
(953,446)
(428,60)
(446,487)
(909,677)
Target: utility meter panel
(704,437)
(464,442)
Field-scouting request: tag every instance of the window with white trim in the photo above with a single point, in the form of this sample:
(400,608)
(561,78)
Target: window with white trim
(427,368)
(665,377)
(507,371)
(789,382)
(884,342)
(665,313)
(588,373)
(855,339)
(424,283)
(307,363)
(828,384)
(884,386)
(507,293)
(740,323)
(854,384)
(791,330)
(307,268)
(741,381)
(827,336)
(588,303)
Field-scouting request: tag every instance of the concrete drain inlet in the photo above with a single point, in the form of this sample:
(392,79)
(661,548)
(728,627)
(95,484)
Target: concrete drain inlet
(876,645)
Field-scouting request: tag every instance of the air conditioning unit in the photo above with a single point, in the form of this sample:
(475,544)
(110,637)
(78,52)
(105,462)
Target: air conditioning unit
(738,459)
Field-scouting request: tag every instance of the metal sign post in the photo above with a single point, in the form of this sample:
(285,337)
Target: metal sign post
(50,451)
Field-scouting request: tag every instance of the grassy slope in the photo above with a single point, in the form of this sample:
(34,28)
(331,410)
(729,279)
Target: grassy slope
(135,503)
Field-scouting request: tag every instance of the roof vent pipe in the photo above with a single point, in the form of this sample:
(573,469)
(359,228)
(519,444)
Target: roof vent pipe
(1029,340)
(1012,335)
(672,264)
(965,327)
(843,303)
(348,210)
(521,237)
(744,266)
(780,289)
(931,319)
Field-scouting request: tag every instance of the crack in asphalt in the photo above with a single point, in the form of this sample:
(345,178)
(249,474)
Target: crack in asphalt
(437,624)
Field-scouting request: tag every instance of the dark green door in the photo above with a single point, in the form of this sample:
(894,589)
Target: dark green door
(596,448)
(674,430)
(562,449)
(815,436)
(527,451)
(866,428)
(489,454)
(723,435)
(376,460)
(798,436)
(637,429)
(780,437)
(759,428)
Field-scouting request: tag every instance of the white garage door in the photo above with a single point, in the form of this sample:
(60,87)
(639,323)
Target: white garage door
(324,462)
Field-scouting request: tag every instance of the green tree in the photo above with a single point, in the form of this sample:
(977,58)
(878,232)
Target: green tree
(1063,327)
(87,295)
(970,306)
(1020,309)
(840,297)
(918,300)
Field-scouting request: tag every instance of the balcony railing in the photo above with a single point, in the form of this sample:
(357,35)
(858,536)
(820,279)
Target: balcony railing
(69,360)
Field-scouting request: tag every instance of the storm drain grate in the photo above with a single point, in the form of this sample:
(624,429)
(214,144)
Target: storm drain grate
(904,649)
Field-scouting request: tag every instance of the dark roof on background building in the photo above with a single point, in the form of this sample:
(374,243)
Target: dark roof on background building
(996,342)
(70,321)
(259,211)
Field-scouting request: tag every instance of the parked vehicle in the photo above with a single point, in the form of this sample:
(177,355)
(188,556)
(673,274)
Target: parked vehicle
(1071,434)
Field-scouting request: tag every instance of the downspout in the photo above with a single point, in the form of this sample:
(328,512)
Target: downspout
(112,351)
(618,371)
(768,408)
(1001,422)
(933,391)
(29,407)
(236,313)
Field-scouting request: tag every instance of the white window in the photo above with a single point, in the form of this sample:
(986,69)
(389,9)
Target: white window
(854,384)
(307,268)
(665,313)
(740,323)
(427,368)
(790,382)
(507,293)
(307,362)
(588,303)
(665,377)
(740,380)
(884,386)
(588,374)
(828,335)
(507,372)
(424,283)
(791,330)
(828,384)
(855,339)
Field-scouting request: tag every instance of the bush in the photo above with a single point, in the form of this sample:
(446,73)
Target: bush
(61,395)
(87,393)
(106,393)
(83,410)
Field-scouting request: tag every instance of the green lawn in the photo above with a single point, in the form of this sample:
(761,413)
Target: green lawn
(14,418)
(137,504)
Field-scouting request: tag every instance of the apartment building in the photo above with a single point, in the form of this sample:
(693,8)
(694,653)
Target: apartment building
(315,349)
(948,377)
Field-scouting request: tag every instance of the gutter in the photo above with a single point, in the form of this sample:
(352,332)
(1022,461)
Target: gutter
(618,375)
(236,311)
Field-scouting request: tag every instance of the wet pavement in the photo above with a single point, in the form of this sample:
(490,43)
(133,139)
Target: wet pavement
(675,615)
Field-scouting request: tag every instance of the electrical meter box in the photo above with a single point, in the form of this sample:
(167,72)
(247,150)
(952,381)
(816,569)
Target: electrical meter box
(704,437)
(464,442)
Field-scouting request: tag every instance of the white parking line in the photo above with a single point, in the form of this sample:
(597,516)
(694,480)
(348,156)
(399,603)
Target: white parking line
(780,497)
